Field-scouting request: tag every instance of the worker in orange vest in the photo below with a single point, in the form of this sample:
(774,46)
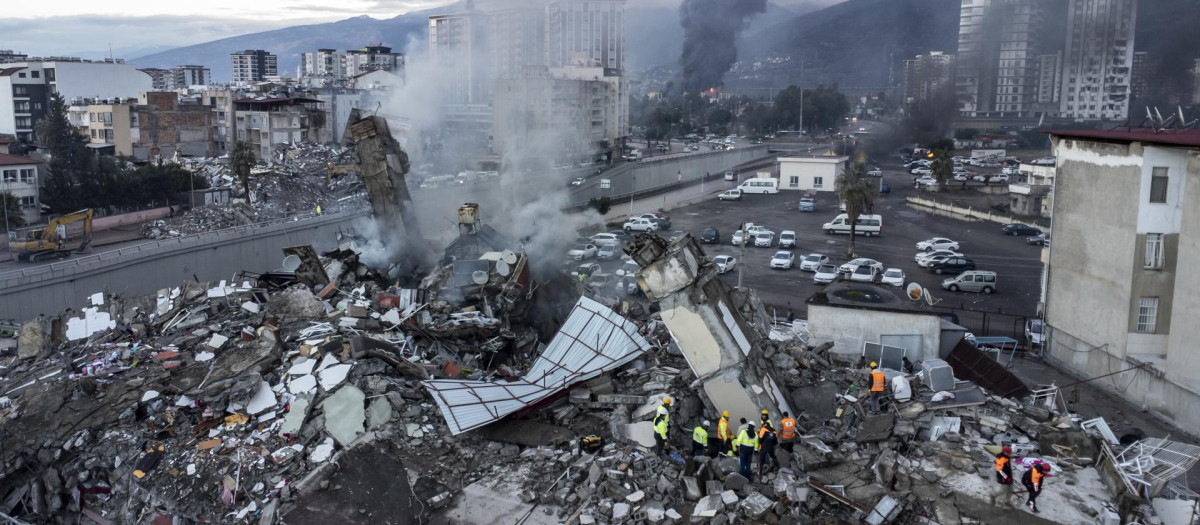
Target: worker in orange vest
(724,442)
(766,447)
(787,432)
(1032,480)
(1004,467)
(878,381)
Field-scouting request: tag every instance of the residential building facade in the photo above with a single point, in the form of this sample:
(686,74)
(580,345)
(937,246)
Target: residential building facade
(265,123)
(1098,63)
(26,87)
(19,177)
(543,106)
(589,33)
(1120,292)
(253,65)
(160,79)
(184,77)
(373,57)
(998,69)
(324,63)
(458,44)
(927,75)
(154,126)
(220,103)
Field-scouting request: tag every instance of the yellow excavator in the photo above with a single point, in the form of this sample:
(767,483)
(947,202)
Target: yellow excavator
(50,241)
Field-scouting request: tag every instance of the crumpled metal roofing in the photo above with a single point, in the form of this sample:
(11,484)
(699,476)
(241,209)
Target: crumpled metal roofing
(593,340)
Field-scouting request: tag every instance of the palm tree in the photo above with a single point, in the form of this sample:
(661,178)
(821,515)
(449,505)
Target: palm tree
(241,159)
(943,168)
(858,192)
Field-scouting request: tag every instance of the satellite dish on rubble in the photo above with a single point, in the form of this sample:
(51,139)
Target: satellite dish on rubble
(915,292)
(479,277)
(503,268)
(291,263)
(509,257)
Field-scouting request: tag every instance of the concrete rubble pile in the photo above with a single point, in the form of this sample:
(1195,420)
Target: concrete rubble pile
(292,183)
(325,392)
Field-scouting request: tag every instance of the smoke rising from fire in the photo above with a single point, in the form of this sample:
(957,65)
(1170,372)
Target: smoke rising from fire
(710,29)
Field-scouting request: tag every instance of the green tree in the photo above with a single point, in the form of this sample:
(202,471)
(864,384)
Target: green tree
(14,216)
(241,159)
(69,182)
(857,190)
(602,204)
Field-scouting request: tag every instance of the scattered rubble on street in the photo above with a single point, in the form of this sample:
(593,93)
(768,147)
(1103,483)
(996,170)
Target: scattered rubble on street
(477,392)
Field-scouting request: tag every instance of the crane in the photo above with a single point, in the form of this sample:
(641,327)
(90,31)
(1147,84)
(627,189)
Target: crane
(48,241)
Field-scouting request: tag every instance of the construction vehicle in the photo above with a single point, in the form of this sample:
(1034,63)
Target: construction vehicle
(50,241)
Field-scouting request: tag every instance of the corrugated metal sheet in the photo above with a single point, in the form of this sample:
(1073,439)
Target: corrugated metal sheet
(593,340)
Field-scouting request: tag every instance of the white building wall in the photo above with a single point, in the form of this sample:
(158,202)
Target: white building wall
(98,79)
(8,119)
(801,173)
(849,328)
(10,182)
(1162,217)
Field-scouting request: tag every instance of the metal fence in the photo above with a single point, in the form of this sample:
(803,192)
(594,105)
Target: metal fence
(983,323)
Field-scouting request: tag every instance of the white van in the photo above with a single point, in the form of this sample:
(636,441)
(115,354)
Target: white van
(866,225)
(760,185)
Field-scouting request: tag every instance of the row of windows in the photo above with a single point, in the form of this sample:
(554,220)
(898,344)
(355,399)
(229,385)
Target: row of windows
(18,175)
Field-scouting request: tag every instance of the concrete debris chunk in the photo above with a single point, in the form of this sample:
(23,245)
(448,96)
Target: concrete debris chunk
(345,414)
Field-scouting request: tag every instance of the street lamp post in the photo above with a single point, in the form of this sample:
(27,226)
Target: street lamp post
(632,187)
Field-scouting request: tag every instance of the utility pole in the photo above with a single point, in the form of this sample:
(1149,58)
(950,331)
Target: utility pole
(802,98)
(632,187)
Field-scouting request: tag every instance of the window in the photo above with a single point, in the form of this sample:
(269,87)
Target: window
(27,175)
(10,175)
(1154,250)
(27,202)
(35,74)
(20,91)
(818,182)
(794,181)
(1158,185)
(1147,315)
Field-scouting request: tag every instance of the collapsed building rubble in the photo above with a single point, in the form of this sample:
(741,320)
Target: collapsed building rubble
(327,390)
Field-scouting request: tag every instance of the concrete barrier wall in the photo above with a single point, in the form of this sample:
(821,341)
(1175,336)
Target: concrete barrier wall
(953,211)
(145,268)
(656,172)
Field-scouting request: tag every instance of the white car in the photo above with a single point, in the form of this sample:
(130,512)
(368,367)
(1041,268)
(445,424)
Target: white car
(758,228)
(783,260)
(825,274)
(605,239)
(724,263)
(580,252)
(787,239)
(999,179)
(926,181)
(979,178)
(937,243)
(865,273)
(764,239)
(921,171)
(960,177)
(607,252)
(578,182)
(813,261)
(736,240)
(875,173)
(586,269)
(922,258)
(640,224)
(730,195)
(629,268)
(894,277)
(853,265)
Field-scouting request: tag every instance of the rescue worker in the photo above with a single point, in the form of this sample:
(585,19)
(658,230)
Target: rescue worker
(787,432)
(1032,480)
(766,447)
(746,443)
(700,439)
(318,209)
(878,382)
(764,419)
(1004,467)
(662,418)
(724,442)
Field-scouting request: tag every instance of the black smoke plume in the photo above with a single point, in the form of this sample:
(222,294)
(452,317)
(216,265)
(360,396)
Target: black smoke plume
(710,29)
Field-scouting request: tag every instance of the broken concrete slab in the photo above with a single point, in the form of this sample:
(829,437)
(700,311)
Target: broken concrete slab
(262,400)
(380,412)
(708,506)
(345,414)
(294,420)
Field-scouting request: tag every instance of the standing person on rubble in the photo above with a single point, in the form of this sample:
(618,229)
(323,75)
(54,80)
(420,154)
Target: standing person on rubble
(746,443)
(662,418)
(787,432)
(724,442)
(878,383)
(1004,467)
(1033,480)
(766,447)
(700,439)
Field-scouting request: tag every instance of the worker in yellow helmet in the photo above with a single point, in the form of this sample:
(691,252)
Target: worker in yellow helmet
(724,441)
(662,418)
(878,383)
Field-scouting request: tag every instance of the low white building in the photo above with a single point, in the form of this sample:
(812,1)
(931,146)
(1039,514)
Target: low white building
(19,176)
(811,173)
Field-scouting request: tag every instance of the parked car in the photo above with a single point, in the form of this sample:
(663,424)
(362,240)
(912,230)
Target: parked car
(599,281)
(710,236)
(639,224)
(972,281)
(813,261)
(580,252)
(865,273)
(960,177)
(1035,331)
(608,252)
(957,264)
(758,228)
(999,179)
(807,204)
(875,172)
(724,263)
(730,195)
(629,268)
(736,239)
(825,274)
(922,258)
(605,239)
(764,239)
(663,221)
(783,260)
(578,181)
(937,243)
(586,269)
(921,171)
(1020,229)
(731,175)
(1040,240)
(787,239)
(849,267)
(926,181)
(628,285)
(893,276)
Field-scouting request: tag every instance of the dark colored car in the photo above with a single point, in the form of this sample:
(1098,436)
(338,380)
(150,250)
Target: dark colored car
(1020,229)
(623,237)
(710,236)
(952,265)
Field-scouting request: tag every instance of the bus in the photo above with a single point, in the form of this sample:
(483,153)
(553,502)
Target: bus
(760,185)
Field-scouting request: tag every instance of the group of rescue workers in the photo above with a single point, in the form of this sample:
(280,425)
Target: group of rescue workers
(750,440)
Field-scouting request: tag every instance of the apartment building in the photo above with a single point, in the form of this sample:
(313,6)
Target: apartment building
(267,122)
(1119,290)
(574,112)
(253,65)
(324,63)
(184,77)
(588,33)
(458,44)
(154,126)
(1098,63)
(220,103)
(19,177)
(25,88)
(927,75)
(373,57)
(998,65)
(160,79)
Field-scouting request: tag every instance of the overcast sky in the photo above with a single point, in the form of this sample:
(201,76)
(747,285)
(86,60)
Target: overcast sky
(137,27)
